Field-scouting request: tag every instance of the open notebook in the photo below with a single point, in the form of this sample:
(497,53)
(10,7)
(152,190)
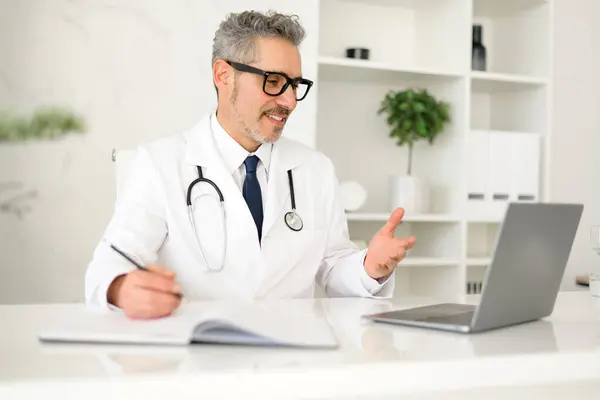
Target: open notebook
(273,324)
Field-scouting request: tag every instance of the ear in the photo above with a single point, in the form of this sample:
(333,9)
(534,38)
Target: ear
(221,74)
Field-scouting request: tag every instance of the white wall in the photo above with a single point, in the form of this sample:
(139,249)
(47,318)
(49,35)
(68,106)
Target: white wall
(136,70)
(575,156)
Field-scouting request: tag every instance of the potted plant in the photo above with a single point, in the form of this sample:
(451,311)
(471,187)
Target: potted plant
(412,115)
(45,123)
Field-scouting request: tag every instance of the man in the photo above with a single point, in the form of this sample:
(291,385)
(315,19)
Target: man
(249,248)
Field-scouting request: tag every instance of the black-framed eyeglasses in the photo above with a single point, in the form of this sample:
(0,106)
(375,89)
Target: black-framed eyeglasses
(275,83)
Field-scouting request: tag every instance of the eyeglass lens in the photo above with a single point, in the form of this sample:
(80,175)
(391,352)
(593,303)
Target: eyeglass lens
(274,84)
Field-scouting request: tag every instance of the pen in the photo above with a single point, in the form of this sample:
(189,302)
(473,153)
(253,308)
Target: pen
(128,258)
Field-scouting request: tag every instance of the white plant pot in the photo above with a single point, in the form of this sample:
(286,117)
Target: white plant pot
(409,193)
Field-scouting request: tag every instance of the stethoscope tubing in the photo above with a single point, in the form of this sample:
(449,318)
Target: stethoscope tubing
(201,178)
(291,184)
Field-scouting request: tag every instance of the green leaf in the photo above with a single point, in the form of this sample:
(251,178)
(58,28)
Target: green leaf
(421,128)
(419,107)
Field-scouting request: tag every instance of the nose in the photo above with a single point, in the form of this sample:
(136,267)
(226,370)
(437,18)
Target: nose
(288,98)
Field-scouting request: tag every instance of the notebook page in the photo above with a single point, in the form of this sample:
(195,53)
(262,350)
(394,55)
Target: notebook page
(265,322)
(115,327)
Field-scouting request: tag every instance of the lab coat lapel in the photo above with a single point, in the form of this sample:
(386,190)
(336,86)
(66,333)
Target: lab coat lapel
(201,150)
(278,193)
(200,146)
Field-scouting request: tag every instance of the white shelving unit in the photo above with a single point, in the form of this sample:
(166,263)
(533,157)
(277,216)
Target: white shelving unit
(500,117)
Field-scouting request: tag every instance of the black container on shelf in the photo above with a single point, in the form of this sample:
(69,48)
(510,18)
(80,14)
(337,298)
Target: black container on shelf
(358,53)
(478,51)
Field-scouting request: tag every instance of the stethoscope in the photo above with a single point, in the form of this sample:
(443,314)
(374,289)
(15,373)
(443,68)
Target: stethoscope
(292,219)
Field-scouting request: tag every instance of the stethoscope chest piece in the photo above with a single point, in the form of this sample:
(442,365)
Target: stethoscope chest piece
(293,221)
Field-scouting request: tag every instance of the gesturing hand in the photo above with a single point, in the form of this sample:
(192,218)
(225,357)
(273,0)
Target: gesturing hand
(386,251)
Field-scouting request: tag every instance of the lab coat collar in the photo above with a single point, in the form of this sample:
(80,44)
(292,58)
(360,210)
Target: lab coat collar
(232,153)
(202,150)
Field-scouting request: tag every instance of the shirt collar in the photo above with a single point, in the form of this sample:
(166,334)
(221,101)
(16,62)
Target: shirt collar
(232,153)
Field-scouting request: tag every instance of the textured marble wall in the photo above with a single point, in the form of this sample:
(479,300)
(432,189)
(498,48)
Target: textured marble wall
(136,70)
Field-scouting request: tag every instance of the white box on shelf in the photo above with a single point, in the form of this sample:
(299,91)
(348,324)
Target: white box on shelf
(501,166)
(526,167)
(477,166)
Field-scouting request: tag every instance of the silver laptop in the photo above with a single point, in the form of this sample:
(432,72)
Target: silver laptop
(523,279)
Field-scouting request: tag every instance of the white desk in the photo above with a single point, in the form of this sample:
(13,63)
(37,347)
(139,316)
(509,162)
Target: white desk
(560,354)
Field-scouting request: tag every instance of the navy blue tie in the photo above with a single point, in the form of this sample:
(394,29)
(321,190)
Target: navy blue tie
(251,192)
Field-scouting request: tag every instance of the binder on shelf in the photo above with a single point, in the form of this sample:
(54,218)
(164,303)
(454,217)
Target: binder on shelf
(501,166)
(477,166)
(527,168)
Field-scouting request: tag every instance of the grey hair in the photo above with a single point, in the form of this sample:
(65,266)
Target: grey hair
(234,39)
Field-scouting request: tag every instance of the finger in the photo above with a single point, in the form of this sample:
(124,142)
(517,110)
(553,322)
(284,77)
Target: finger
(393,221)
(163,304)
(152,304)
(159,269)
(395,259)
(400,242)
(400,253)
(407,243)
(140,310)
(156,282)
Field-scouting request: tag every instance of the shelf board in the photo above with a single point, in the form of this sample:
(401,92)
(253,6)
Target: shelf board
(499,82)
(484,220)
(429,262)
(493,8)
(478,261)
(382,217)
(339,68)
(502,132)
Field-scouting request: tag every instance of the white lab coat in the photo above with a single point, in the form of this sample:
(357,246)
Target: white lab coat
(151,223)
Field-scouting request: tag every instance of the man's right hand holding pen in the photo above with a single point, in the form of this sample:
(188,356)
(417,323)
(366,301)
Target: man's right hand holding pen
(146,293)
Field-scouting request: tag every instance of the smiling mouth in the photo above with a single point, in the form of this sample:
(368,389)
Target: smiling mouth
(278,118)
